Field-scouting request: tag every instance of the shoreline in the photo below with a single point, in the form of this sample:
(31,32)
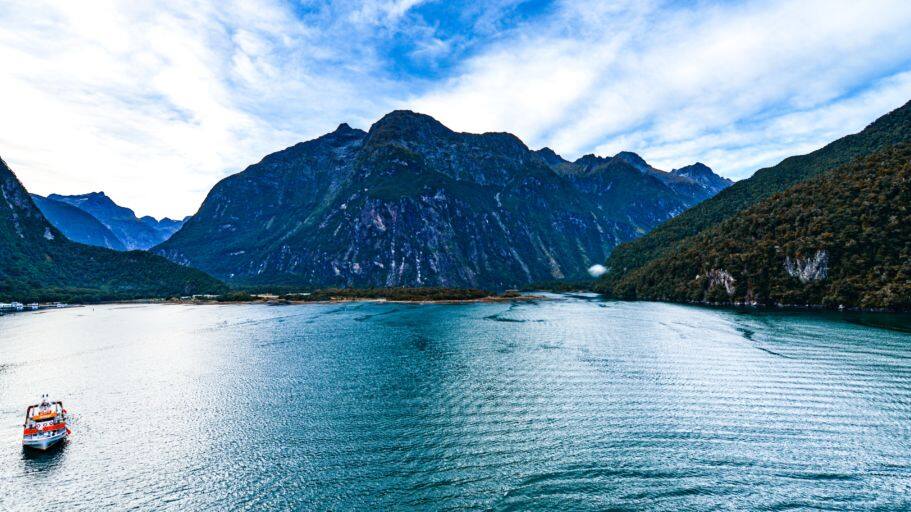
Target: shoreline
(341,300)
(275,300)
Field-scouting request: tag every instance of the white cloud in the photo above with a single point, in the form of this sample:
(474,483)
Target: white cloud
(154,102)
(597,270)
(382,11)
(712,83)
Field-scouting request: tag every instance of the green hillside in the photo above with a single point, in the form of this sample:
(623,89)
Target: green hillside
(891,129)
(842,238)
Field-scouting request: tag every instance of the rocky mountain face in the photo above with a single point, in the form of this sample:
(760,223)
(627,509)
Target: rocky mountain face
(130,231)
(77,225)
(413,203)
(40,263)
(694,183)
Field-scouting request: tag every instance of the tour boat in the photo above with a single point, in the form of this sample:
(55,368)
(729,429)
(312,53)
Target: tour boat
(45,424)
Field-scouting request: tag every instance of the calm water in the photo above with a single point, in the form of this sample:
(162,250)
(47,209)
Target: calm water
(570,404)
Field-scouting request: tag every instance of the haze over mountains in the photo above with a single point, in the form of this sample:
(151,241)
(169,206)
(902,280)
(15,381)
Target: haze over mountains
(413,203)
(119,228)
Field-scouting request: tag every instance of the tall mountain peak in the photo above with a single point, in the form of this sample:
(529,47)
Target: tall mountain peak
(550,156)
(407,118)
(633,159)
(406,127)
(417,204)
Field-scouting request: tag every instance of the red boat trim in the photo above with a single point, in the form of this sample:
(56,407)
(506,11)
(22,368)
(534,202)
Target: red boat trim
(33,431)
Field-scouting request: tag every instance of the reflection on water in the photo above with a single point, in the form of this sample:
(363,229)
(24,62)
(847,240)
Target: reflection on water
(43,462)
(566,404)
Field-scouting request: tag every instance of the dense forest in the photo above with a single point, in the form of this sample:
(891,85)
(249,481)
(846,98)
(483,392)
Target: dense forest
(890,129)
(842,238)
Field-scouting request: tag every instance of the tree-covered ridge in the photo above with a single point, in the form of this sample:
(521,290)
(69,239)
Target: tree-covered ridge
(842,238)
(38,263)
(892,128)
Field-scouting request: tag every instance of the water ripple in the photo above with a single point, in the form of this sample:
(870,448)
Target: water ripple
(567,404)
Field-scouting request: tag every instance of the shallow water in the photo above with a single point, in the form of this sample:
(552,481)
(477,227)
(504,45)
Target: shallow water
(568,404)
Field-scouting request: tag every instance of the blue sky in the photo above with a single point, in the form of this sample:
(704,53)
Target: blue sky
(154,102)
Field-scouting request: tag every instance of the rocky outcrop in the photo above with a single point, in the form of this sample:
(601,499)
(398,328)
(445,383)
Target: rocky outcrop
(808,270)
(721,278)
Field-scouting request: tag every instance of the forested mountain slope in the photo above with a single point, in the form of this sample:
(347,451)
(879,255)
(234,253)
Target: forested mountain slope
(842,238)
(891,129)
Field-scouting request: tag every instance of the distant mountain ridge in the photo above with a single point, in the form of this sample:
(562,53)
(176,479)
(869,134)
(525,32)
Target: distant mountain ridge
(129,231)
(413,203)
(77,225)
(39,263)
(703,175)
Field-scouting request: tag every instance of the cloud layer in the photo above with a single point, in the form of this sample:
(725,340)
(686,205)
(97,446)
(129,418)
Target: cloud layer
(155,103)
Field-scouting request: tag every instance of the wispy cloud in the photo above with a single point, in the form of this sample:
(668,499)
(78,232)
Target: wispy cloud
(717,83)
(154,102)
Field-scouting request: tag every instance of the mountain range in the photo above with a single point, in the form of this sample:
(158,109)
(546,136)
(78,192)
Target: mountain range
(827,228)
(115,226)
(39,263)
(412,203)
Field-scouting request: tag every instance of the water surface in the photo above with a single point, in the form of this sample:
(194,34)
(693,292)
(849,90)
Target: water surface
(567,404)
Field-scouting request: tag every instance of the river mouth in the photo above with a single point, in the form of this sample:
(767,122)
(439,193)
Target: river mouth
(569,404)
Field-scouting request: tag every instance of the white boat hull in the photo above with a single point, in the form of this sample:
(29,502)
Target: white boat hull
(43,442)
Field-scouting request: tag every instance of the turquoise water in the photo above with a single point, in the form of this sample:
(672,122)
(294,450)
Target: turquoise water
(567,404)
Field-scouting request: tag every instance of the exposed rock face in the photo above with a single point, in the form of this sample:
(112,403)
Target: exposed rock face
(413,203)
(808,270)
(721,278)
